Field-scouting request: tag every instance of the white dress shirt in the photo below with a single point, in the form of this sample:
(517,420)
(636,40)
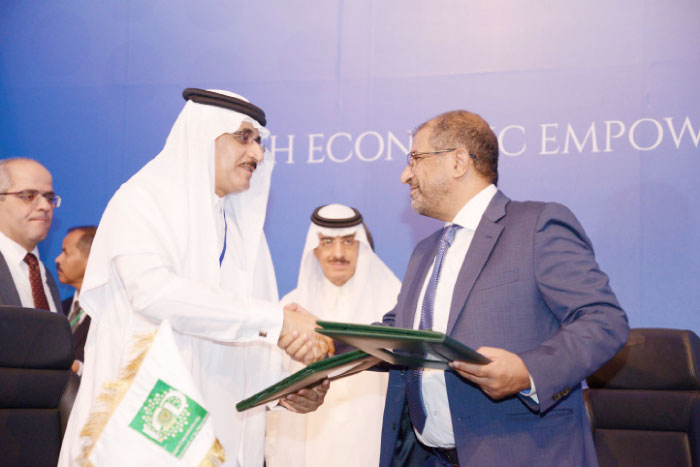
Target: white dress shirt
(438,430)
(14,254)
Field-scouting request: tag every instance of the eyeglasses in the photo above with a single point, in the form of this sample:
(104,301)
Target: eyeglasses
(328,242)
(33,197)
(247,136)
(412,158)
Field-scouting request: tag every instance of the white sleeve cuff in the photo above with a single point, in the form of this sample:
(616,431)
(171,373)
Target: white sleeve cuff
(532,392)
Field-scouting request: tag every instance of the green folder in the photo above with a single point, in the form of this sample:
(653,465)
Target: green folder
(332,368)
(399,347)
(403,347)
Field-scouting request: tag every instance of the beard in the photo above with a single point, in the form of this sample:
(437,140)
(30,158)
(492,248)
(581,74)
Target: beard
(429,197)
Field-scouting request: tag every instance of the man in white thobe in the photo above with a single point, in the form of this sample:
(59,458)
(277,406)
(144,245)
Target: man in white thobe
(183,240)
(340,279)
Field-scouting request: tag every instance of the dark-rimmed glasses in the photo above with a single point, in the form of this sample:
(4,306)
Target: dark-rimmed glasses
(33,197)
(247,136)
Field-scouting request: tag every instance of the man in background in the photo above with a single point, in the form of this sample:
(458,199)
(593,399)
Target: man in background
(27,202)
(70,265)
(340,279)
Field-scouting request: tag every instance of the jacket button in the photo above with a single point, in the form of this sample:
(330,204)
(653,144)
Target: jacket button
(393,426)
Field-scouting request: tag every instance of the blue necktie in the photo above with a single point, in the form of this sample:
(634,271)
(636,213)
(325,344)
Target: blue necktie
(414,395)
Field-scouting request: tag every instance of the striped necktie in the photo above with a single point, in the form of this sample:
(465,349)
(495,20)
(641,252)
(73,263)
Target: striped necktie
(414,394)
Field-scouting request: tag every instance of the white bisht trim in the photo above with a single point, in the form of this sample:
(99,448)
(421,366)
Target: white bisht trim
(158,416)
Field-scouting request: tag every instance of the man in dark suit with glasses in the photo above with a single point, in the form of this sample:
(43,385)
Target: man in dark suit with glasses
(519,282)
(27,202)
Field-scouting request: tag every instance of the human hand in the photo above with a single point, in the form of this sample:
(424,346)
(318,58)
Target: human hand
(77,367)
(505,375)
(306,400)
(299,339)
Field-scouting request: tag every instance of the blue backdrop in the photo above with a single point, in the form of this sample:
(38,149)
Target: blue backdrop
(596,105)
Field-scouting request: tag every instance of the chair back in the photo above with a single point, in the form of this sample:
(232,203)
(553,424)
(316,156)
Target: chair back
(644,404)
(37,386)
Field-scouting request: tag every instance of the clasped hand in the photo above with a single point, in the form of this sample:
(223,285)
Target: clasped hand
(299,338)
(504,376)
(306,400)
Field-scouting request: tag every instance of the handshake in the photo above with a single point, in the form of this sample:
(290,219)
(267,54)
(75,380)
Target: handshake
(299,337)
(301,341)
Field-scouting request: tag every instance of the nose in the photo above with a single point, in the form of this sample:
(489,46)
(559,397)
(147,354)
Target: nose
(256,151)
(44,204)
(337,249)
(406,174)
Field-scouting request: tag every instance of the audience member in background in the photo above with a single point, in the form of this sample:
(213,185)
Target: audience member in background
(27,202)
(340,279)
(70,265)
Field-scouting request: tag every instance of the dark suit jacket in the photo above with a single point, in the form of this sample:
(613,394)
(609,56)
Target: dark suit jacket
(8,290)
(80,333)
(529,284)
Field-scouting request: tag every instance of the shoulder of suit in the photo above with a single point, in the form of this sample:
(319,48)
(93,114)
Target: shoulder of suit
(430,240)
(535,207)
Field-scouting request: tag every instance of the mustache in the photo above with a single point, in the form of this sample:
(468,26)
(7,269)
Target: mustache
(250,163)
(338,260)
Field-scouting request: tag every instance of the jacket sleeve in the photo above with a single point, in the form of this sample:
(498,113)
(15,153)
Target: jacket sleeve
(593,325)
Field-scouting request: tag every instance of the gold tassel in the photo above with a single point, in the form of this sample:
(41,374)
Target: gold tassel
(215,457)
(112,394)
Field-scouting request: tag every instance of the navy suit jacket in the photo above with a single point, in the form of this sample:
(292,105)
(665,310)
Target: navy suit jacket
(8,290)
(80,333)
(529,284)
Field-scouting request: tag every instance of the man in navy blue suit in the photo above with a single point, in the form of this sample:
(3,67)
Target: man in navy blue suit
(70,266)
(519,282)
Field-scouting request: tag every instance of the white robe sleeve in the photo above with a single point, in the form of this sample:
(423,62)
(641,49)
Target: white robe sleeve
(157,292)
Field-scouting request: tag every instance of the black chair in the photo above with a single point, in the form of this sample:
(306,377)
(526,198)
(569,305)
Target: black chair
(37,387)
(644,404)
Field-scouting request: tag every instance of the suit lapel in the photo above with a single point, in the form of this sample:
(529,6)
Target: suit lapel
(8,291)
(54,290)
(424,260)
(485,239)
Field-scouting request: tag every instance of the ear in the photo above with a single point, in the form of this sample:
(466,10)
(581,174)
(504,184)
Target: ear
(316,254)
(462,162)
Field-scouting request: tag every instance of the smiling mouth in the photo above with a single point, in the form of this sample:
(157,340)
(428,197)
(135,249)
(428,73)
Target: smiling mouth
(250,166)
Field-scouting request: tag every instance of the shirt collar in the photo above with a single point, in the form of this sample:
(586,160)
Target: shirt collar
(470,215)
(14,252)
